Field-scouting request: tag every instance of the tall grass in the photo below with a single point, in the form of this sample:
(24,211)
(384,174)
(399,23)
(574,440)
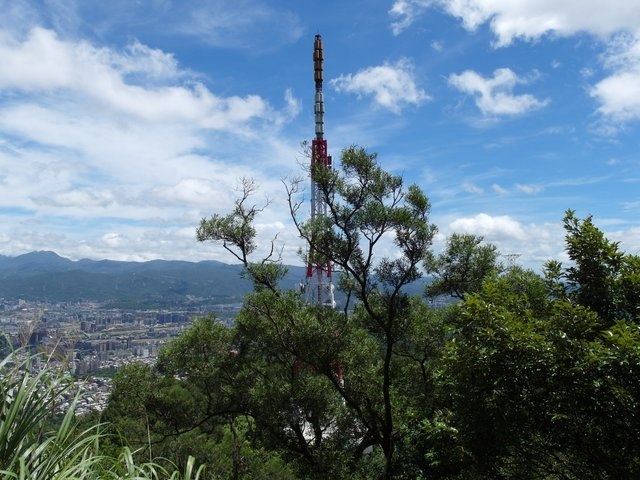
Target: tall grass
(30,450)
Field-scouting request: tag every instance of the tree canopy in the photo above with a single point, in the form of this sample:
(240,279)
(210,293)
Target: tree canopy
(524,377)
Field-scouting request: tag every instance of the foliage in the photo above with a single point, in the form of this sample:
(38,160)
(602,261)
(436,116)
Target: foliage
(462,267)
(545,386)
(28,450)
(320,385)
(194,403)
(601,277)
(527,377)
(365,205)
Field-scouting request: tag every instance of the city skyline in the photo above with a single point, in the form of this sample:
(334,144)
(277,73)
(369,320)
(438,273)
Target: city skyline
(123,124)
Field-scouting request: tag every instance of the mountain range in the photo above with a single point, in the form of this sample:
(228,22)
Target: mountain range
(46,276)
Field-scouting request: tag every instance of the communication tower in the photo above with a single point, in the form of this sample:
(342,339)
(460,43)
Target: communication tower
(319,286)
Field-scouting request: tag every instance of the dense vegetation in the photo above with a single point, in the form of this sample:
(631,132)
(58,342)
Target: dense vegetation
(37,442)
(526,377)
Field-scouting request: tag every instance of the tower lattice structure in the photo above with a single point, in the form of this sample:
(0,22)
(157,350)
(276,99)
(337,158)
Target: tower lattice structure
(319,288)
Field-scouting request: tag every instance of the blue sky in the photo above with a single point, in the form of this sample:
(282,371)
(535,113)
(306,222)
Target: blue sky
(123,123)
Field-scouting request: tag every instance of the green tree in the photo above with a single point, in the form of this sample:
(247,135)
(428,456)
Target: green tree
(195,402)
(365,204)
(462,267)
(542,383)
(334,378)
(526,377)
(601,277)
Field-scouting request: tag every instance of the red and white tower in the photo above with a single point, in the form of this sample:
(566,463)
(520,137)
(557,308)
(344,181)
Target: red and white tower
(319,283)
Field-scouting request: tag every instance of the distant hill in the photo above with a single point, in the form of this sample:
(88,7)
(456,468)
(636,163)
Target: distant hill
(46,276)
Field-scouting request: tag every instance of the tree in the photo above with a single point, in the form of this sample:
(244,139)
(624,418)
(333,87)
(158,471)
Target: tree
(526,377)
(236,233)
(602,277)
(544,385)
(298,350)
(462,267)
(195,402)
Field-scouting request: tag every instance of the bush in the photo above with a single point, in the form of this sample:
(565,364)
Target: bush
(31,449)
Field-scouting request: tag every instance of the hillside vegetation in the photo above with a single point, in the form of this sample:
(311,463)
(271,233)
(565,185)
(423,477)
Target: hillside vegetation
(527,377)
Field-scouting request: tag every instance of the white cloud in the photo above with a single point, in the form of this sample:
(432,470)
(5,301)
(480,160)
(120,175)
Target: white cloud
(195,192)
(472,188)
(150,62)
(490,227)
(631,206)
(494,96)
(17,15)
(236,24)
(587,72)
(499,190)
(529,189)
(43,64)
(619,93)
(404,12)
(119,153)
(629,240)
(79,197)
(614,22)
(437,45)
(293,104)
(527,19)
(393,85)
(534,243)
(245,24)
(619,96)
(112,239)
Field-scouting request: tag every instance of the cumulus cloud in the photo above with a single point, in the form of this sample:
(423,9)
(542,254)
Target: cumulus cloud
(614,22)
(112,239)
(194,192)
(489,226)
(527,19)
(123,148)
(535,243)
(392,85)
(43,64)
(619,93)
(494,96)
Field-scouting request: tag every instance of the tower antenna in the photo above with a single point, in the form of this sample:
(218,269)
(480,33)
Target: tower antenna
(319,269)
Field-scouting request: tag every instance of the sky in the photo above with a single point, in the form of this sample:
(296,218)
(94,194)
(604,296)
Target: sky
(124,123)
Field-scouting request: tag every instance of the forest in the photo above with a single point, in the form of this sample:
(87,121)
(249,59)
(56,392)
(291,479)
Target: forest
(525,375)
